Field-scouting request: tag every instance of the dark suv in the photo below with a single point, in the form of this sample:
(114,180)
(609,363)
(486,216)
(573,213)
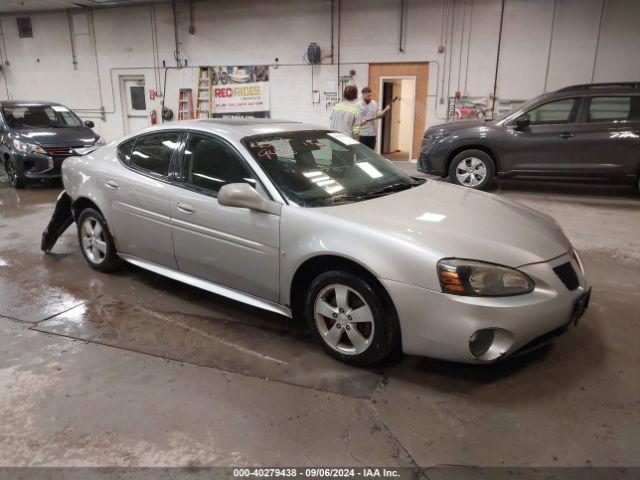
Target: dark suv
(582,132)
(35,137)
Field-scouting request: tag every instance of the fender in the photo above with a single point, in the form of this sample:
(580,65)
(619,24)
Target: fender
(61,219)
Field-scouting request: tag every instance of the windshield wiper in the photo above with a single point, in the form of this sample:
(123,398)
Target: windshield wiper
(394,187)
(353,197)
(341,198)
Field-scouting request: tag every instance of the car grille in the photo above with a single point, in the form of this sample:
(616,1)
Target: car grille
(61,152)
(568,275)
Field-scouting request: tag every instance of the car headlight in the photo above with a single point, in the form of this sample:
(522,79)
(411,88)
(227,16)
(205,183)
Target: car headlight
(430,140)
(26,147)
(100,141)
(436,136)
(480,279)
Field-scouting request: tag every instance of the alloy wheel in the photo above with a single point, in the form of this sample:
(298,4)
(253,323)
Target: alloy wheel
(344,319)
(94,242)
(471,172)
(11,170)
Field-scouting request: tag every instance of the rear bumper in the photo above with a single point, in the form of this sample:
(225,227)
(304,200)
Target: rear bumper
(439,325)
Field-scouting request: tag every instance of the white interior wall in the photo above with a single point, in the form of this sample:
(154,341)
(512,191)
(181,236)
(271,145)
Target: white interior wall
(257,32)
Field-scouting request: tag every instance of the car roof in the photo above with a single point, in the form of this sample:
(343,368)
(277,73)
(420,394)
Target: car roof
(31,103)
(600,88)
(587,89)
(236,128)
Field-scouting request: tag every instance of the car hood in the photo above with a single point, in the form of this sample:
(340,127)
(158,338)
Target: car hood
(459,125)
(451,221)
(67,136)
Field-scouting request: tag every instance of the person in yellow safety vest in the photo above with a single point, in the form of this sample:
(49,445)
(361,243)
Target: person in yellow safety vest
(345,116)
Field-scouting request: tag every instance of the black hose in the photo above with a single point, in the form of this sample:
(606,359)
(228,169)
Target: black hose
(164,93)
(495,79)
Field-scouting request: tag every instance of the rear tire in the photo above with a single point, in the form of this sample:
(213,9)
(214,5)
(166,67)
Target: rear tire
(353,322)
(472,169)
(15,179)
(95,240)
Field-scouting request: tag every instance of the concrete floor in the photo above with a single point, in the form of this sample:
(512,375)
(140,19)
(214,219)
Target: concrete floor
(132,369)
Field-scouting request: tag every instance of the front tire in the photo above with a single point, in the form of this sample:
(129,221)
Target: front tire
(353,322)
(14,177)
(95,240)
(472,169)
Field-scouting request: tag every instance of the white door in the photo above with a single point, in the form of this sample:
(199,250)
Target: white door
(134,104)
(401,118)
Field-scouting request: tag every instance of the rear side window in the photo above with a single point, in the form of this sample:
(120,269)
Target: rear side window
(124,150)
(152,153)
(560,111)
(614,108)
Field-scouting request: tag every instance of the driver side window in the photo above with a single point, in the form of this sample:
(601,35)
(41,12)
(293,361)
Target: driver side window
(558,112)
(209,164)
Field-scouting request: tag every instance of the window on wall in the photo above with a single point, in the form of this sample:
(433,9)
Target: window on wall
(560,111)
(614,108)
(138,101)
(24,27)
(152,153)
(209,164)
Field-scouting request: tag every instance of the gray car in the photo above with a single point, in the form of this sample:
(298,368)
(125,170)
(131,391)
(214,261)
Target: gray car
(309,223)
(579,133)
(36,137)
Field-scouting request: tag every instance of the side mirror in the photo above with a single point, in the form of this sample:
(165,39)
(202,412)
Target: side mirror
(89,124)
(243,195)
(522,122)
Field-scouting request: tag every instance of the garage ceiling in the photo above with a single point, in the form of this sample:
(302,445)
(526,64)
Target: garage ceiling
(9,6)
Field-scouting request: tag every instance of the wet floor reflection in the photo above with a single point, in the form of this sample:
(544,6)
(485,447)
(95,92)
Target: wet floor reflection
(230,345)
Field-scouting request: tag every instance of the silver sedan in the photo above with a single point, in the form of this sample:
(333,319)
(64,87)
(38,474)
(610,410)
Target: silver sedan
(309,223)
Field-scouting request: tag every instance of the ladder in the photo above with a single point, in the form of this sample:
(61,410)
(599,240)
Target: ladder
(185,104)
(203,96)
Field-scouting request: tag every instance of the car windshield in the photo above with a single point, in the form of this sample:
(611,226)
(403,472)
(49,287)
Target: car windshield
(320,168)
(39,116)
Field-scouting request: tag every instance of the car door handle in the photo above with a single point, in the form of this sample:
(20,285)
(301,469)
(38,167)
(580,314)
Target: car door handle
(112,184)
(185,208)
(567,135)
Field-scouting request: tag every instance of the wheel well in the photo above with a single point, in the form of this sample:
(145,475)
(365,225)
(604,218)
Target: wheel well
(82,203)
(313,267)
(482,148)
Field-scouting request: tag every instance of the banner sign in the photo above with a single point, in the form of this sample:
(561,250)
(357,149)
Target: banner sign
(240,91)
(474,108)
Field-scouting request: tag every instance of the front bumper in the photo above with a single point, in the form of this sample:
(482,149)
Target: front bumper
(38,166)
(432,158)
(44,165)
(439,325)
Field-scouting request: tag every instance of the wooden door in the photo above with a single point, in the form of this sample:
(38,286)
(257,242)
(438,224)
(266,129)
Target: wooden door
(419,70)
